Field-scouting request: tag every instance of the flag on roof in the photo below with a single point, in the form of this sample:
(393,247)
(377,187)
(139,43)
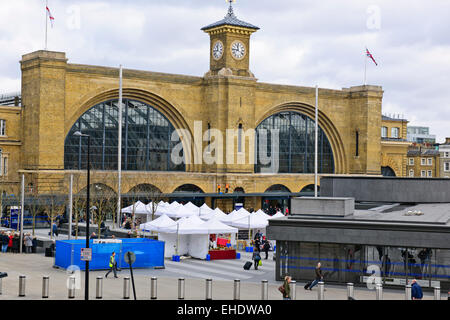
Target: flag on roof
(50,16)
(371,56)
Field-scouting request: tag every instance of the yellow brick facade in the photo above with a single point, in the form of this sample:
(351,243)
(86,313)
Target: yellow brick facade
(55,93)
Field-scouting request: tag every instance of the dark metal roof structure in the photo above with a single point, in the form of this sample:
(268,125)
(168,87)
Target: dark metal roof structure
(231,20)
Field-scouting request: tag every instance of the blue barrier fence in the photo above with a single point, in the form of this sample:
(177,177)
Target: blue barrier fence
(149,253)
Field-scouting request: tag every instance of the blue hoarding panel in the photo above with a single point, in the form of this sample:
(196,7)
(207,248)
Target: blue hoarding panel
(149,253)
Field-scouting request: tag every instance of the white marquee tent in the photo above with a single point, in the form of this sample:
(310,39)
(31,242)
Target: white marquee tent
(251,221)
(158,224)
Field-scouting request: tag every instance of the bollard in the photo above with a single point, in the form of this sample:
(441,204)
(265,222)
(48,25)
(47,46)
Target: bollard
(22,280)
(408,292)
(208,289)
(126,288)
(180,288)
(153,288)
(264,290)
(99,288)
(71,290)
(1,286)
(350,288)
(379,291)
(45,282)
(293,288)
(237,289)
(321,291)
(437,293)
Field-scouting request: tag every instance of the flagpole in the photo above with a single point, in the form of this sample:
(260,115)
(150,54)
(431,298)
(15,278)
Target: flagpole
(365,67)
(119,149)
(315,140)
(46,24)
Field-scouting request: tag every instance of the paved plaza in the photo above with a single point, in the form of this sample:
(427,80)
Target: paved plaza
(222,272)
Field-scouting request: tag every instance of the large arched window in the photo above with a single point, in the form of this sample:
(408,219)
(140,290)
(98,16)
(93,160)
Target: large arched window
(296,145)
(146,139)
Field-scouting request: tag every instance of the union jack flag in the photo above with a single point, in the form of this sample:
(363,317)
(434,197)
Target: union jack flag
(371,57)
(50,16)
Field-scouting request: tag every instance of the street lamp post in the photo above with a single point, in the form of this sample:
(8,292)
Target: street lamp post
(86,281)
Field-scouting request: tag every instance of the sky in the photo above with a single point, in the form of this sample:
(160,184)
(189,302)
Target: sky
(301,42)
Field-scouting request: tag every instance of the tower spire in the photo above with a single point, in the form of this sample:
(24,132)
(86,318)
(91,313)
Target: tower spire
(230,9)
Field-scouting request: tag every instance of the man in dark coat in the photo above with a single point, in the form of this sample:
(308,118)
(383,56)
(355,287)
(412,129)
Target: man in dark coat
(266,247)
(319,276)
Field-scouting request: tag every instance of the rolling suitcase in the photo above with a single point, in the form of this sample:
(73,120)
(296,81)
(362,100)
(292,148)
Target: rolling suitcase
(307,285)
(247,265)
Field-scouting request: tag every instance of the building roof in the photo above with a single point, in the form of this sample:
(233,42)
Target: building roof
(383,117)
(10,99)
(231,20)
(424,152)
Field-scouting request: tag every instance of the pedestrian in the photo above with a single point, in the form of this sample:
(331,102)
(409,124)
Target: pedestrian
(286,291)
(287,211)
(55,229)
(256,258)
(112,265)
(93,235)
(4,241)
(266,247)
(416,290)
(319,276)
(28,240)
(10,241)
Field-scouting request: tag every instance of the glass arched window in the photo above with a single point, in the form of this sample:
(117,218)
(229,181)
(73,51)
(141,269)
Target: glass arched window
(296,144)
(146,139)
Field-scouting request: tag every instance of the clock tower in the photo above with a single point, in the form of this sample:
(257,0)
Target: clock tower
(230,46)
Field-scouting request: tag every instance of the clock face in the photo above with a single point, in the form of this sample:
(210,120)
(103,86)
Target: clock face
(217,50)
(238,50)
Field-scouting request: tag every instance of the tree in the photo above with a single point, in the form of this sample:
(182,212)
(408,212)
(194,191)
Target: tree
(78,200)
(103,198)
(34,206)
(54,206)
(148,193)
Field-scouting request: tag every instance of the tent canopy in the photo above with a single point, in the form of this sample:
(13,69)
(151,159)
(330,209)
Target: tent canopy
(139,207)
(252,221)
(277,216)
(215,226)
(158,224)
(235,215)
(185,226)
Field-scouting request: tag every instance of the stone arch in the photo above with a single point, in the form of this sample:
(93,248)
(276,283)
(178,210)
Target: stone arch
(277,188)
(325,123)
(157,102)
(188,188)
(309,188)
(97,189)
(389,162)
(144,187)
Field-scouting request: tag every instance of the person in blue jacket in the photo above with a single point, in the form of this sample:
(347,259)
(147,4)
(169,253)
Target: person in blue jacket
(416,290)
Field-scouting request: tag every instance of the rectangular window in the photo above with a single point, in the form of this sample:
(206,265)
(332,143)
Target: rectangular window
(383,132)
(430,161)
(5,166)
(423,173)
(446,166)
(240,138)
(357,143)
(395,132)
(2,127)
(411,161)
(446,154)
(430,173)
(423,161)
(411,173)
